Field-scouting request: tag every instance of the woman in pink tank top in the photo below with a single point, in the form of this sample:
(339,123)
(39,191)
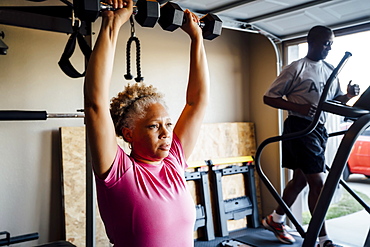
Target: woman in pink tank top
(143,197)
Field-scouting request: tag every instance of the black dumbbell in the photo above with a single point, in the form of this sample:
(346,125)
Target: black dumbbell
(146,14)
(172,17)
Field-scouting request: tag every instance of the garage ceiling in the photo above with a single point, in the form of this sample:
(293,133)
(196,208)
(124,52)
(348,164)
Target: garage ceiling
(279,19)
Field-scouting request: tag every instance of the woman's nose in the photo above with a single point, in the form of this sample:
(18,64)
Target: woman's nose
(165,133)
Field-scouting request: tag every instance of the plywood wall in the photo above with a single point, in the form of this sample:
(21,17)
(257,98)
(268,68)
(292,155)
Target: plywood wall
(219,140)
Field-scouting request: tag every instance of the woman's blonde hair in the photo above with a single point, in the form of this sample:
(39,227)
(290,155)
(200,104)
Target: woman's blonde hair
(130,105)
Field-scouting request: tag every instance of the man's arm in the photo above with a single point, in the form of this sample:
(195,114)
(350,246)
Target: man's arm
(188,125)
(99,124)
(280,103)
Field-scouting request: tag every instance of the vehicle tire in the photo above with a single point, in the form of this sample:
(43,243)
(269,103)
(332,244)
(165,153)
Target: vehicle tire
(346,173)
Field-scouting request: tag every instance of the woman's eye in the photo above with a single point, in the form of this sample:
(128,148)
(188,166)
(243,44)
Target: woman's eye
(153,126)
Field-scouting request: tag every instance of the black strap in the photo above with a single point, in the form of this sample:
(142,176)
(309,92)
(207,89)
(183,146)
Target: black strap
(64,62)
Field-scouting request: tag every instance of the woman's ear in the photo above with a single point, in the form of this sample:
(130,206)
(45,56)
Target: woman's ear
(127,134)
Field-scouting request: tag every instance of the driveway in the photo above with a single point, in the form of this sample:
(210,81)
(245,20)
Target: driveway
(351,230)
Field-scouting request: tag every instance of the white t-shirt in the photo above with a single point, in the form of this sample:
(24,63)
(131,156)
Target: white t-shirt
(302,82)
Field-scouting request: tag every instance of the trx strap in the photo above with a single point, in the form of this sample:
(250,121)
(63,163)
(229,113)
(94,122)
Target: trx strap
(64,62)
(128,75)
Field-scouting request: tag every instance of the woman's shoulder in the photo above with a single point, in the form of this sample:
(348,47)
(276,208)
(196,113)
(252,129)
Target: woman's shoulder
(121,163)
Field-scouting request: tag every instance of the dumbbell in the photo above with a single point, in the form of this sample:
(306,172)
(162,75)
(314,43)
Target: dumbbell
(147,11)
(172,17)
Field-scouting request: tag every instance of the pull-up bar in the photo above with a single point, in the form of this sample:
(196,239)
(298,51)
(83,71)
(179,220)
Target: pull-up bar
(15,115)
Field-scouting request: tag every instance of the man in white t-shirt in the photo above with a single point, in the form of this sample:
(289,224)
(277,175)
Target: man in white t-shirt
(298,89)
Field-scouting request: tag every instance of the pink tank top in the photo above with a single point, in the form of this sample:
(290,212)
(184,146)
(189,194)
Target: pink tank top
(147,205)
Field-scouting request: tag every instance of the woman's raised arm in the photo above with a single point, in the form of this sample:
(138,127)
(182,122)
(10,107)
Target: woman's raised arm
(99,125)
(188,126)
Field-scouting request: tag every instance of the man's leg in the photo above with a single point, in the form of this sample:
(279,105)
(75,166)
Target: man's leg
(292,190)
(275,221)
(315,182)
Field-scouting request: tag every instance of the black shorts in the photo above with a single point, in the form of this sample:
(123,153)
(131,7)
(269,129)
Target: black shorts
(306,153)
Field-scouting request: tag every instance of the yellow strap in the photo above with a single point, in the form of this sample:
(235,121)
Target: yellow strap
(221,161)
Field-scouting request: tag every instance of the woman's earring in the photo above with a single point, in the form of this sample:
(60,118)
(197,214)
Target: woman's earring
(129,146)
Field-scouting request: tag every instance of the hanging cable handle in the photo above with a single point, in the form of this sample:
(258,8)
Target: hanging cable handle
(133,37)
(76,37)
(139,78)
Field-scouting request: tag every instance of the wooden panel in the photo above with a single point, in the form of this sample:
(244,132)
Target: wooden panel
(74,183)
(221,140)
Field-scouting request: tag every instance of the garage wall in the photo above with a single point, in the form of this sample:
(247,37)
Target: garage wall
(30,79)
(263,70)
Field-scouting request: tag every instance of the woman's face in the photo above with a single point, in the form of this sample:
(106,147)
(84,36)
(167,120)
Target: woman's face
(152,135)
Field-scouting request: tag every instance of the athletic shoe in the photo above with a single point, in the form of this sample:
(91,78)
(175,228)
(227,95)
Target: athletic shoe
(329,243)
(278,229)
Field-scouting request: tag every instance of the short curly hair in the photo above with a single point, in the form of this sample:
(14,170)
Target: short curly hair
(130,105)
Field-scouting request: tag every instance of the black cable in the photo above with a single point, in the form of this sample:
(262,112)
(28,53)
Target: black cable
(139,78)
(128,75)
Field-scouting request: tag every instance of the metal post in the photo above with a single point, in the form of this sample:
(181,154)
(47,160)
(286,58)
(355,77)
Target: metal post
(253,220)
(90,188)
(209,230)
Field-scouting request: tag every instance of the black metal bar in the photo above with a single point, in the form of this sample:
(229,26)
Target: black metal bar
(189,176)
(333,178)
(235,170)
(353,193)
(217,182)
(338,133)
(25,19)
(19,115)
(22,115)
(249,179)
(222,219)
(90,199)
(367,241)
(206,201)
(90,188)
(344,184)
(17,239)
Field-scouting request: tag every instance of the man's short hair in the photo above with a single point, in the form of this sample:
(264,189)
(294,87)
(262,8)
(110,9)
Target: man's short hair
(317,31)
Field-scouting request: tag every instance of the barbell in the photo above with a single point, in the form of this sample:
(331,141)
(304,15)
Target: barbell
(19,115)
